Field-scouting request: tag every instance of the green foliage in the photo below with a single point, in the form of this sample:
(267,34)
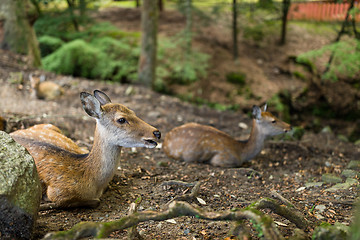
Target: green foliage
(175,66)
(49,44)
(78,58)
(105,29)
(279,101)
(112,54)
(236,78)
(200,101)
(299,75)
(258,228)
(57,25)
(327,231)
(346,59)
(258,31)
(122,58)
(104,58)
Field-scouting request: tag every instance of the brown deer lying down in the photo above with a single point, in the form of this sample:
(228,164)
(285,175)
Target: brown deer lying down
(193,142)
(72,178)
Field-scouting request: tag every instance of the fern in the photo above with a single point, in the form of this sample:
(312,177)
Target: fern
(346,59)
(78,58)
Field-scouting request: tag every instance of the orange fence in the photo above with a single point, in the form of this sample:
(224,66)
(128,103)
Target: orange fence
(320,11)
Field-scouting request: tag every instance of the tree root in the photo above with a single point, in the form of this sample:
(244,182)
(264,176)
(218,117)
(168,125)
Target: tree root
(263,223)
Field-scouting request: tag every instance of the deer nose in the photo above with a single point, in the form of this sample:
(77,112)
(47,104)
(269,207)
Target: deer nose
(157,134)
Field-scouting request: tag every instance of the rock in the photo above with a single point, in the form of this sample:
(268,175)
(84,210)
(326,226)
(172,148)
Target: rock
(320,208)
(313,184)
(342,186)
(334,232)
(351,181)
(349,173)
(20,190)
(354,165)
(330,178)
(154,114)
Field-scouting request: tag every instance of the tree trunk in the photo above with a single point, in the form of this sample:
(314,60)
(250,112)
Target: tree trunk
(340,33)
(71,8)
(16,31)
(147,61)
(161,5)
(188,27)
(285,10)
(235,32)
(137,3)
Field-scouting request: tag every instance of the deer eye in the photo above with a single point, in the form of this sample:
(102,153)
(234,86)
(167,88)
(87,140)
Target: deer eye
(273,121)
(121,120)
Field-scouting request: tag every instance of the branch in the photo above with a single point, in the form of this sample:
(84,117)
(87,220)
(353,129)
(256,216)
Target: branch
(287,212)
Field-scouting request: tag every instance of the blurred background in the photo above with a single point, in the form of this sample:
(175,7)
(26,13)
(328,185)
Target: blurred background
(302,58)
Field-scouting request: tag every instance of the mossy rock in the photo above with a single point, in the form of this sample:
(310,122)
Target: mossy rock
(20,190)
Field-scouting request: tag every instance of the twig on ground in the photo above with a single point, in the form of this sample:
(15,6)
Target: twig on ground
(187,196)
(277,195)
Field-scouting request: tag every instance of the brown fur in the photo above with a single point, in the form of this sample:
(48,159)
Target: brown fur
(193,142)
(71,176)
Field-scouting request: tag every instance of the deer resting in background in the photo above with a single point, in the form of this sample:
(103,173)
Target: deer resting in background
(193,142)
(71,177)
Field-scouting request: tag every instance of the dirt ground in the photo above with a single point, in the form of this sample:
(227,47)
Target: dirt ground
(283,166)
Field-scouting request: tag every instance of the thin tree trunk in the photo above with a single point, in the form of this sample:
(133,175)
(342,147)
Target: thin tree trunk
(82,7)
(235,31)
(341,32)
(137,3)
(147,61)
(161,5)
(285,10)
(71,7)
(188,27)
(18,35)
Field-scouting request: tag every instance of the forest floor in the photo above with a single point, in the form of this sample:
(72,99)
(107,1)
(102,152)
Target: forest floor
(284,166)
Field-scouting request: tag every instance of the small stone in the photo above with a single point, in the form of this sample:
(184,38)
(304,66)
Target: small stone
(354,164)
(313,184)
(319,216)
(153,114)
(352,181)
(170,221)
(349,173)
(330,178)
(243,125)
(320,208)
(339,186)
(300,189)
(162,164)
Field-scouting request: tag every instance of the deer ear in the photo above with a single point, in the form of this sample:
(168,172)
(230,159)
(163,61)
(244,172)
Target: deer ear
(256,112)
(102,97)
(91,105)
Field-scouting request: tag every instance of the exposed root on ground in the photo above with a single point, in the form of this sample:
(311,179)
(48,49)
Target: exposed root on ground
(262,223)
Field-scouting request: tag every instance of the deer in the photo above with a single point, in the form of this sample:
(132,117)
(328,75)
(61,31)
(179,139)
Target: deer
(42,89)
(72,177)
(193,142)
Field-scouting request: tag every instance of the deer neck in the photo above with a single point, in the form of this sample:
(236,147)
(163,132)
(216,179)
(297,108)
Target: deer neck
(103,159)
(250,148)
